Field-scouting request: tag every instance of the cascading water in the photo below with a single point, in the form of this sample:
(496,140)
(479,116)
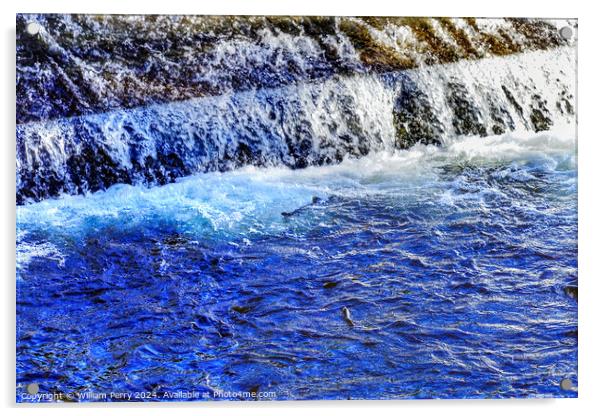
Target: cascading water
(296,126)
(387,205)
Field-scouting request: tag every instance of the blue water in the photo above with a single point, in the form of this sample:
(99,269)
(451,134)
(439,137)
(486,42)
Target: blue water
(428,273)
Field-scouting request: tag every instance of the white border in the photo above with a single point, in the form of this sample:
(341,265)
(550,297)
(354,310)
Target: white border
(590,165)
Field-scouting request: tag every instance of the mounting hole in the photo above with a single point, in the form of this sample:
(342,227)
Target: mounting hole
(566,384)
(33,28)
(33,388)
(566,33)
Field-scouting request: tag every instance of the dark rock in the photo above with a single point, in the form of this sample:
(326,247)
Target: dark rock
(467,116)
(540,115)
(414,117)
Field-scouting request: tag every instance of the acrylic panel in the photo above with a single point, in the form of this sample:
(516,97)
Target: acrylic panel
(295,208)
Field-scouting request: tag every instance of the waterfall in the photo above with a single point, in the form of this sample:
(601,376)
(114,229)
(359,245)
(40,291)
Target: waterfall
(269,94)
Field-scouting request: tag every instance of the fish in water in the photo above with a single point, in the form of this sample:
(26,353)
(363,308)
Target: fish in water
(314,200)
(347,315)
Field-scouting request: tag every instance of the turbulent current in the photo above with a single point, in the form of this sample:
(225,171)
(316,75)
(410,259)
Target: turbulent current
(374,232)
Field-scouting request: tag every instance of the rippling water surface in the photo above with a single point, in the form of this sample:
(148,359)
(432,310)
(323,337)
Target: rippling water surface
(433,272)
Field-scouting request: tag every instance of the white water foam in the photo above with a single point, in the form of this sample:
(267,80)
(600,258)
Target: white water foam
(250,200)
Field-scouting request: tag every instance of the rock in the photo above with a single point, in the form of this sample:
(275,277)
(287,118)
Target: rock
(414,117)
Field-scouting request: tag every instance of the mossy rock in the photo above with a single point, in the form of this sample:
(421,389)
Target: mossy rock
(372,53)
